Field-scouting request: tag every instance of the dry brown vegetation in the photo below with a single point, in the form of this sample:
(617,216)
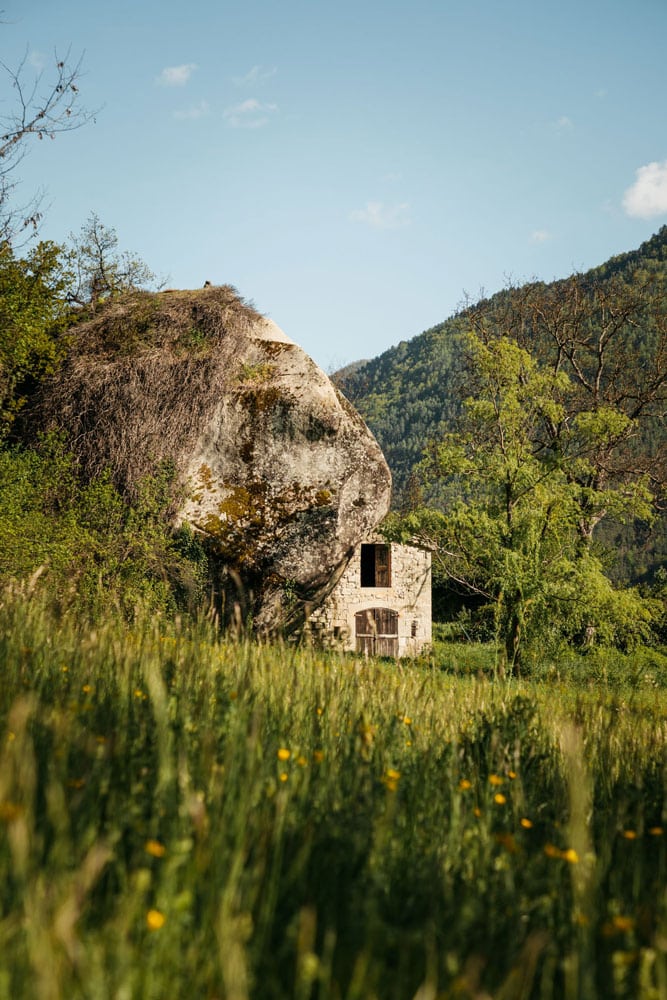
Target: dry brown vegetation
(142,374)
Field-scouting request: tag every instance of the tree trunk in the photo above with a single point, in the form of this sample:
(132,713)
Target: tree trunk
(511,629)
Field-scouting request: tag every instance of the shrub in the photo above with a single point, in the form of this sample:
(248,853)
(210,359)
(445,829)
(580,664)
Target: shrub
(90,547)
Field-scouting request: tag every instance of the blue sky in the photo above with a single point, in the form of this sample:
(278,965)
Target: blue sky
(355,168)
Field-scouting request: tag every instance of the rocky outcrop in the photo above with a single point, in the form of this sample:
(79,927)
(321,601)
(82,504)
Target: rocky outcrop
(275,468)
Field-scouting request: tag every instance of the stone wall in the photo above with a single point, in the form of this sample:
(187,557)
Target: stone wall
(409,594)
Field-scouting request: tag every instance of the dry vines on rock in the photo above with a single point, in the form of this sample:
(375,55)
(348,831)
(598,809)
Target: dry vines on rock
(142,377)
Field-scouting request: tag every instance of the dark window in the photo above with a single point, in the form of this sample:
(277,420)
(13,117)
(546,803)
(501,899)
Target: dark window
(375,565)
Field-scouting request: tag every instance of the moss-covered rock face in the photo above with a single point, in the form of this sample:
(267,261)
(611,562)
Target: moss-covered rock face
(277,470)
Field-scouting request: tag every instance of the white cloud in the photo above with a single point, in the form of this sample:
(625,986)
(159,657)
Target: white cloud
(176,76)
(564,124)
(192,114)
(540,236)
(647,197)
(249,114)
(377,215)
(37,60)
(256,75)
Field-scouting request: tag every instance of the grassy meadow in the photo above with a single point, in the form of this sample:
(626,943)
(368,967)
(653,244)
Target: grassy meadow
(182,815)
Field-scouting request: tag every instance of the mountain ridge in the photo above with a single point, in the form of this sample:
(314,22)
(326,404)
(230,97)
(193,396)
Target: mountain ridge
(407,394)
(413,392)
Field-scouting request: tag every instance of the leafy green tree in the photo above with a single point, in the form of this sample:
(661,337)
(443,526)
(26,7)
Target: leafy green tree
(33,302)
(33,317)
(607,330)
(509,524)
(610,338)
(40,298)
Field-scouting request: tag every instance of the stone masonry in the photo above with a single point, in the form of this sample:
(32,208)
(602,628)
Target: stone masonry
(384,610)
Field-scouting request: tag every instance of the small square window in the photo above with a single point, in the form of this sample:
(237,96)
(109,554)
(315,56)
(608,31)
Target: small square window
(375,565)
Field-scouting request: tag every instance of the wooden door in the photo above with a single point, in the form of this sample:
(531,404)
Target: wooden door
(376,631)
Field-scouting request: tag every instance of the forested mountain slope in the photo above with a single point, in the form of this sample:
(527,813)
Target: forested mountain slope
(407,395)
(607,327)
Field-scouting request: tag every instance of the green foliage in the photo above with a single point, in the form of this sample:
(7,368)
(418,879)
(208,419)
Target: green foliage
(182,816)
(33,318)
(511,529)
(91,548)
(37,295)
(606,330)
(80,539)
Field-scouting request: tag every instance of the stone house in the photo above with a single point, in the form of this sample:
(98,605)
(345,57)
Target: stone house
(381,605)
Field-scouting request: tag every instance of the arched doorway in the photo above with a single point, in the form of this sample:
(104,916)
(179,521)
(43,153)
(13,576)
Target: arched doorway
(376,631)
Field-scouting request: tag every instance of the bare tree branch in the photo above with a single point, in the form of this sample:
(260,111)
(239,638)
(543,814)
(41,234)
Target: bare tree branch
(43,107)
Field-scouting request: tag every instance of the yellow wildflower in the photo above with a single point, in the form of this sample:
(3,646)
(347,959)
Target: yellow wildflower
(391,778)
(511,774)
(499,799)
(464,784)
(552,851)
(570,855)
(623,923)
(284,753)
(301,761)
(155,920)
(495,780)
(656,831)
(283,775)
(86,688)
(155,848)
(318,756)
(526,823)
(630,834)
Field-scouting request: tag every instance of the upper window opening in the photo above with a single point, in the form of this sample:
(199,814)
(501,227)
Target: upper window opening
(375,565)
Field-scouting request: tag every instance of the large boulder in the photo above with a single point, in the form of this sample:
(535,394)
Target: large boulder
(274,468)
